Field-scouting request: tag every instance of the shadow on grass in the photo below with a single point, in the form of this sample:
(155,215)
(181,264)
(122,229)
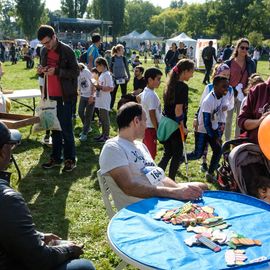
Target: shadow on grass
(46,191)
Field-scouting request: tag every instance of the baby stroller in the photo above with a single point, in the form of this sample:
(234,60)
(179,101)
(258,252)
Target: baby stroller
(241,166)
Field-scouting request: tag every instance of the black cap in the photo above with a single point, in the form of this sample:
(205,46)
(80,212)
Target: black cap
(9,136)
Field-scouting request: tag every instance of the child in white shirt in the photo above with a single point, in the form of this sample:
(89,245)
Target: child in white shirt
(87,104)
(104,86)
(208,126)
(152,106)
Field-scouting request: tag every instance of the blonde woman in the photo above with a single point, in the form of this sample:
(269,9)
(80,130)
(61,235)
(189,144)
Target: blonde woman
(119,70)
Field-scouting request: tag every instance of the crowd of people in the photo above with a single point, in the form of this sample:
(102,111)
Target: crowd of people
(129,161)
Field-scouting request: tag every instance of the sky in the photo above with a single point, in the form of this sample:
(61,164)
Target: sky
(55,4)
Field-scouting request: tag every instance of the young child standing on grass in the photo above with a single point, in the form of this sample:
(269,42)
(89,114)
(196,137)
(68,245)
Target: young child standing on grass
(175,108)
(151,104)
(86,104)
(208,126)
(103,97)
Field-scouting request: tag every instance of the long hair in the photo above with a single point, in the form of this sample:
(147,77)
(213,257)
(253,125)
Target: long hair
(173,78)
(253,80)
(239,42)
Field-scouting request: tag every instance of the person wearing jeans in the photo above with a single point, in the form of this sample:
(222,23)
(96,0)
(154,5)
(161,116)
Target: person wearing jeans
(64,115)
(21,245)
(60,67)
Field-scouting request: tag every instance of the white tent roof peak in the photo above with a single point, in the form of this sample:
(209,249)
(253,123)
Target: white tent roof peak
(182,37)
(146,35)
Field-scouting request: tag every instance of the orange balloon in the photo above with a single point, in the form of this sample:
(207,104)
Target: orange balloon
(264,136)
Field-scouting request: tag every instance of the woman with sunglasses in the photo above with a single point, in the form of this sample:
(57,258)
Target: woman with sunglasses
(241,66)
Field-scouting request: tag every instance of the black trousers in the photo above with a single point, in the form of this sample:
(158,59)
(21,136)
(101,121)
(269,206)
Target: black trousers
(208,67)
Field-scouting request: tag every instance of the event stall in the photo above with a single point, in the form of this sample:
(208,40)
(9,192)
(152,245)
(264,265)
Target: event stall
(201,44)
(130,39)
(181,38)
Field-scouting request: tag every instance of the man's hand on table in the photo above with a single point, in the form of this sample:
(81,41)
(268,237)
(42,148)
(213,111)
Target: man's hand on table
(187,191)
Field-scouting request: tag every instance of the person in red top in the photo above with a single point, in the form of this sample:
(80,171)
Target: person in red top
(256,108)
(59,64)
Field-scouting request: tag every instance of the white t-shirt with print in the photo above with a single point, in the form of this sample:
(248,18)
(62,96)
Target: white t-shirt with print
(150,101)
(103,99)
(227,100)
(210,105)
(84,83)
(118,152)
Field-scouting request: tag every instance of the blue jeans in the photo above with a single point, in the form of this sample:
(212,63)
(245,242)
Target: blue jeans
(200,142)
(78,264)
(64,115)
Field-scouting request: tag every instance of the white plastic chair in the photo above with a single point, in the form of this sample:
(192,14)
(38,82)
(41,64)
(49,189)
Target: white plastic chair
(108,201)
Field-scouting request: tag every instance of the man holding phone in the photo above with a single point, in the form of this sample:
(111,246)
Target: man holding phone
(60,67)
(21,246)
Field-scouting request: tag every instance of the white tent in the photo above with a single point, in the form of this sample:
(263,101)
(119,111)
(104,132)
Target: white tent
(146,35)
(181,38)
(130,39)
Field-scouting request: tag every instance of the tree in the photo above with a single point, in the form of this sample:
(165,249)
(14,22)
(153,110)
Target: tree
(255,39)
(166,23)
(74,8)
(177,4)
(138,15)
(194,20)
(30,13)
(109,10)
(8,24)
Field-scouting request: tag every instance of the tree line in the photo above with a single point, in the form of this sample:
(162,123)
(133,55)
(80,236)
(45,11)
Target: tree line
(223,19)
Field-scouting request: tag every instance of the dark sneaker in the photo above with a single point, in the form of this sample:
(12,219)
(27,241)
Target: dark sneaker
(70,165)
(211,178)
(204,167)
(51,164)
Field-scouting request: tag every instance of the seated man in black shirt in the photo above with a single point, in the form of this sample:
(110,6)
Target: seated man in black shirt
(139,82)
(21,246)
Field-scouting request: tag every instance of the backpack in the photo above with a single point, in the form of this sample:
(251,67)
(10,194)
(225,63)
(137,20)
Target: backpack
(83,57)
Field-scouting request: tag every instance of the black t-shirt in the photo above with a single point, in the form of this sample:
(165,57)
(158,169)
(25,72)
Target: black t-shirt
(139,83)
(181,97)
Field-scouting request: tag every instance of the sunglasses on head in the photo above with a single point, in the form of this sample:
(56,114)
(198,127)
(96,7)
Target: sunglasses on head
(244,48)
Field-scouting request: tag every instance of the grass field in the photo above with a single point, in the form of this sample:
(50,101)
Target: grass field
(70,204)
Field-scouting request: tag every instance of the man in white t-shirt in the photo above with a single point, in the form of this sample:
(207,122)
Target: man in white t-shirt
(208,119)
(134,173)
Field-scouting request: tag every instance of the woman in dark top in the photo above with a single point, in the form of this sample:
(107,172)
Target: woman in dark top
(171,58)
(175,108)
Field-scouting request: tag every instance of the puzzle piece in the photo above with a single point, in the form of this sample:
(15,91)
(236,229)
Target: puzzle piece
(235,257)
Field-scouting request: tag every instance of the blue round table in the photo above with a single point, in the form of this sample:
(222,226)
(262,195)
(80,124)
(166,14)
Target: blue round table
(153,244)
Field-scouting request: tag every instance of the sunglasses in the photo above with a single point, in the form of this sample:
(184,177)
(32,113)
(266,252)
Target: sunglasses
(244,48)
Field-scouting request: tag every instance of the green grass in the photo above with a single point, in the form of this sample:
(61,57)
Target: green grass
(71,205)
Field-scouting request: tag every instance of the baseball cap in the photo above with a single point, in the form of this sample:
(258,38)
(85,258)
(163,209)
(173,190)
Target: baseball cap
(9,136)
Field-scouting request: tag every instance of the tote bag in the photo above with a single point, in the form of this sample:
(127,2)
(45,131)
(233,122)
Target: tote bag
(47,112)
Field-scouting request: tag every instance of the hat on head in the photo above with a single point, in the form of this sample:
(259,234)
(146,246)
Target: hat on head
(9,136)
(221,68)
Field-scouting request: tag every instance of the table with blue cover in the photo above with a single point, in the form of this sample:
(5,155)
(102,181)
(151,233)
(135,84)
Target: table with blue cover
(148,243)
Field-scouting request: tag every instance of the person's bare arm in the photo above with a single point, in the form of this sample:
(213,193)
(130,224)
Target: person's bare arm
(251,124)
(123,178)
(152,114)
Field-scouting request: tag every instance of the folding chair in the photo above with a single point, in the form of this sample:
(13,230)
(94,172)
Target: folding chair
(108,201)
